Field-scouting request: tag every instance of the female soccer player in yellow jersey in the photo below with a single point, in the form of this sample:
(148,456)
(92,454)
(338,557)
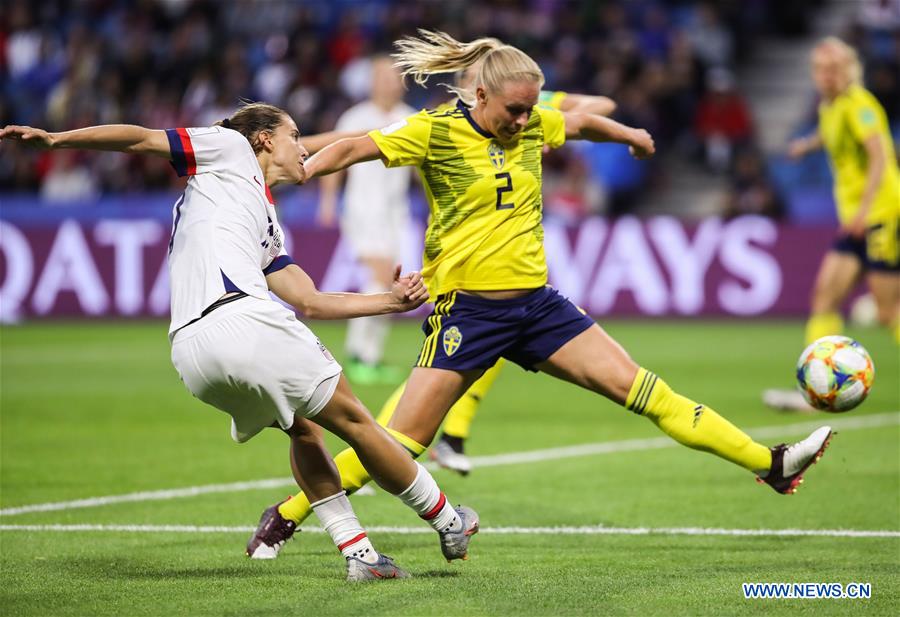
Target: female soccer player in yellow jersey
(447,451)
(484,260)
(853,129)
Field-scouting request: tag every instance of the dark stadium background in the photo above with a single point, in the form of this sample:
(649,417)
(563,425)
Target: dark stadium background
(720,85)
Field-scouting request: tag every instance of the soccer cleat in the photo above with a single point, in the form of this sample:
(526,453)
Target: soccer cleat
(384,568)
(790,462)
(786,400)
(455,544)
(271,534)
(445,456)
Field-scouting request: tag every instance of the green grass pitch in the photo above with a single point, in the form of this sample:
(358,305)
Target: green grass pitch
(95,409)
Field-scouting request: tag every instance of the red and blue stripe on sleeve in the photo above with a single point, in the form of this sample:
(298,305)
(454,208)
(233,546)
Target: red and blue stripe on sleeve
(182,152)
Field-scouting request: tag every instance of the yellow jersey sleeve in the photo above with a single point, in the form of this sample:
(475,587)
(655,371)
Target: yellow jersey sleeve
(863,116)
(551,98)
(404,142)
(554,125)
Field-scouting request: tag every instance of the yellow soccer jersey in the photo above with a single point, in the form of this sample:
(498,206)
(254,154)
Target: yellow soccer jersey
(844,125)
(484,229)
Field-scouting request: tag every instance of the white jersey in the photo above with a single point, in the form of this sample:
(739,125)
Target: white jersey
(225,235)
(371,185)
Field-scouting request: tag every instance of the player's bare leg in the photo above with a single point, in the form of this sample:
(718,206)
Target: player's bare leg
(366,335)
(393,470)
(311,462)
(429,394)
(838,275)
(315,472)
(885,288)
(595,361)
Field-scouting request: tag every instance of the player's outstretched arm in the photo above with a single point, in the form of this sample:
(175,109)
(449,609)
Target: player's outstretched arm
(588,104)
(114,137)
(294,286)
(800,147)
(597,128)
(314,143)
(341,155)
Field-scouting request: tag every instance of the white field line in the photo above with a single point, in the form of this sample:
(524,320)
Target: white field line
(593,530)
(513,458)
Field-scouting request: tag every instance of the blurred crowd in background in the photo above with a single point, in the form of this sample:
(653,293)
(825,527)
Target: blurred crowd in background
(670,66)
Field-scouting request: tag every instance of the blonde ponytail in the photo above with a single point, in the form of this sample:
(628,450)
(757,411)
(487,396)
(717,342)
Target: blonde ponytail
(438,52)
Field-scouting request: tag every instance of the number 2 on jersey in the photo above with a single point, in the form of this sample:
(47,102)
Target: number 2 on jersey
(504,189)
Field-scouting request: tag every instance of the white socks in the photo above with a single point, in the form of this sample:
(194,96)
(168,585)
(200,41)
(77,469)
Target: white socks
(424,496)
(339,520)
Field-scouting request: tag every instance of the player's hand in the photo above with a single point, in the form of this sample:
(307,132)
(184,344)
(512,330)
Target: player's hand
(409,290)
(797,148)
(36,138)
(856,228)
(642,146)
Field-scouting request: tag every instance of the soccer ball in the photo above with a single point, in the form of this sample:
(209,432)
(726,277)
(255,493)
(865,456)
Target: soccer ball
(835,373)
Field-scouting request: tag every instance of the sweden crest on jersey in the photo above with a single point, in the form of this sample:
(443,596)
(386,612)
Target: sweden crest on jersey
(452,340)
(497,155)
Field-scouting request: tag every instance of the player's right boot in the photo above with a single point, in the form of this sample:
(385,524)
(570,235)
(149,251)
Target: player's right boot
(790,462)
(271,534)
(784,399)
(445,456)
(455,544)
(384,568)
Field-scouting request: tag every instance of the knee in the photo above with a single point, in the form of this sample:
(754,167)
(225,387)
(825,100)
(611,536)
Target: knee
(613,382)
(352,421)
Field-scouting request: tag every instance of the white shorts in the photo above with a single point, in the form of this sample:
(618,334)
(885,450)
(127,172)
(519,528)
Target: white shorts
(254,360)
(375,230)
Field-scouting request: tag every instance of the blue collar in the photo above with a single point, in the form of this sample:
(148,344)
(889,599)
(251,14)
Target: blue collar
(468,116)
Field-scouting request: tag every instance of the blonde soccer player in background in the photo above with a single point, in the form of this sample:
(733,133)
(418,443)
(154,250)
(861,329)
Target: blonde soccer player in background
(854,131)
(484,259)
(374,221)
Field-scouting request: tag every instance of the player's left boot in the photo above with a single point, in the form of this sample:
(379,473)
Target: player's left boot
(455,544)
(789,463)
(271,534)
(384,568)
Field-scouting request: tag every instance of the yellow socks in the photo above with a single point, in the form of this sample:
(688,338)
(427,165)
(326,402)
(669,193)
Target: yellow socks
(353,477)
(694,425)
(823,324)
(460,417)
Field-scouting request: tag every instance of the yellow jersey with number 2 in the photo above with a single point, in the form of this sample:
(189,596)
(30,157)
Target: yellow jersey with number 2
(484,228)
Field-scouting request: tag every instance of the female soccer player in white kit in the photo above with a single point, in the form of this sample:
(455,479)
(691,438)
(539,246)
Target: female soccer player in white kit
(375,219)
(239,350)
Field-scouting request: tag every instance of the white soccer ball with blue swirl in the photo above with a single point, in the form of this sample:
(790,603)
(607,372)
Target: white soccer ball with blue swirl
(835,373)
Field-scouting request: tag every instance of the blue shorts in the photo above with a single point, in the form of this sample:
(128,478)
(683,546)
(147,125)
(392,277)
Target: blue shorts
(470,332)
(878,250)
